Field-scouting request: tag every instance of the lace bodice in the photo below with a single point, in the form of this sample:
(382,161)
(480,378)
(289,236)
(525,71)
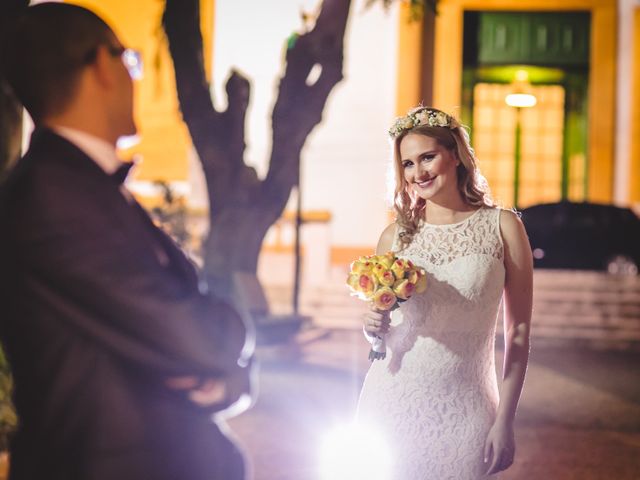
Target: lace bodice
(436,393)
(438,245)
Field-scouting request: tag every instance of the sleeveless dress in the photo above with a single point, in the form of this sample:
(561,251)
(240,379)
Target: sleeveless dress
(434,397)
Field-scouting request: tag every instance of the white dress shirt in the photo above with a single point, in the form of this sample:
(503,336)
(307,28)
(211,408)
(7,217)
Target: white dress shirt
(104,155)
(99,150)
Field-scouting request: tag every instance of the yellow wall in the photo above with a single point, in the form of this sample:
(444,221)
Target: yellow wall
(408,91)
(165,141)
(448,73)
(634,171)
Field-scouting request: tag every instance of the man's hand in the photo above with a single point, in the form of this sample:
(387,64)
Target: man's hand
(204,393)
(237,389)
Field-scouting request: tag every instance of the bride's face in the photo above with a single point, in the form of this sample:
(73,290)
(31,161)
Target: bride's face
(429,168)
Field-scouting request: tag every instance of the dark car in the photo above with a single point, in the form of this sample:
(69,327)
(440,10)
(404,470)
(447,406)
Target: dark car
(585,236)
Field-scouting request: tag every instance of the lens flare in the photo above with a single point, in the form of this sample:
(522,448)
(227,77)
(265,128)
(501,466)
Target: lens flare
(354,452)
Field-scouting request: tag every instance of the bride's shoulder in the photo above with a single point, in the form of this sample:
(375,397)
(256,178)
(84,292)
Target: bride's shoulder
(385,243)
(508,217)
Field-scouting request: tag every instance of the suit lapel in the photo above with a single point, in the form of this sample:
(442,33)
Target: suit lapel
(172,256)
(130,216)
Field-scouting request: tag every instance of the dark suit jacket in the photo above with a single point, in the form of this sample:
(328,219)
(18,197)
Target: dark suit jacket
(94,323)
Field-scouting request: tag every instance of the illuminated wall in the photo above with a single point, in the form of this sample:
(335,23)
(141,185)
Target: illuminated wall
(165,143)
(345,159)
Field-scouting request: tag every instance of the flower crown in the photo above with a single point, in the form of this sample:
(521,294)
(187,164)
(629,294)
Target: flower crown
(421,116)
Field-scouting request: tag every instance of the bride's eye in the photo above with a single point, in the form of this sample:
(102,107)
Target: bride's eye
(407,164)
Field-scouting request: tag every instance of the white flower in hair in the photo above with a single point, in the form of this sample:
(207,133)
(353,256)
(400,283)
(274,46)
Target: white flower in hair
(440,119)
(422,117)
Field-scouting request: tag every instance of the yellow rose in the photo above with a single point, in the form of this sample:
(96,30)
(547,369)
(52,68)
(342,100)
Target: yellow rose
(352,280)
(421,284)
(399,267)
(384,276)
(384,299)
(404,289)
(378,268)
(387,259)
(367,284)
(361,266)
(413,276)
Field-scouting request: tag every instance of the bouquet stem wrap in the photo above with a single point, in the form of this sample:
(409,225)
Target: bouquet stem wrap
(378,348)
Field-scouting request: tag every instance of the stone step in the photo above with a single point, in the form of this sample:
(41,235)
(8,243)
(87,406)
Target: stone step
(613,334)
(570,307)
(577,309)
(335,305)
(586,296)
(586,321)
(550,280)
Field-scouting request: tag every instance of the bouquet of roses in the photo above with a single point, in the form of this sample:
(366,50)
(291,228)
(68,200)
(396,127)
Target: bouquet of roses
(385,281)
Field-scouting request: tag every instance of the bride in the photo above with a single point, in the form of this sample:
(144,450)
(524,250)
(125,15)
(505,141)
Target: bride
(435,396)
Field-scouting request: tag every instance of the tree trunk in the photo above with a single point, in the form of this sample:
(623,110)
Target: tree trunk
(10,109)
(243,207)
(10,129)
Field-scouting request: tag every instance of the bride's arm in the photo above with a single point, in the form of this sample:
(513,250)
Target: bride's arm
(386,239)
(375,322)
(518,294)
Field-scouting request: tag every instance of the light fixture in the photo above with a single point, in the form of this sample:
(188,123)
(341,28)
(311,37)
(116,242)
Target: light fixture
(520,98)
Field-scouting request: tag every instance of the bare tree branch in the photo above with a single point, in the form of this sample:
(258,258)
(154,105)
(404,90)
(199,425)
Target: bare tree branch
(242,208)
(299,106)
(217,136)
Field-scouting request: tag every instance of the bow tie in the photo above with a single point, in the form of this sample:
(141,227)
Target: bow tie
(120,175)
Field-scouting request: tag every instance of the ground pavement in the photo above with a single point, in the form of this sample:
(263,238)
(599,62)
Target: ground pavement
(579,417)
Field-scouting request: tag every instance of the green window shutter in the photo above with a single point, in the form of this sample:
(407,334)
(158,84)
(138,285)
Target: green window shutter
(534,38)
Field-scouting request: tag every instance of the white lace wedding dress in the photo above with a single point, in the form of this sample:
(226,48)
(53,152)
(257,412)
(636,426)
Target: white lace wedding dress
(435,396)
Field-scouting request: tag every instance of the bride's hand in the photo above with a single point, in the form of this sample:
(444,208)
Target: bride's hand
(499,448)
(376,322)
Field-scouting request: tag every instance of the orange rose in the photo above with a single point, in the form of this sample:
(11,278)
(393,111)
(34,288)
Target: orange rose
(384,299)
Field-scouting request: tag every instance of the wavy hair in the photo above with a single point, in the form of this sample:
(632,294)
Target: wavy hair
(410,208)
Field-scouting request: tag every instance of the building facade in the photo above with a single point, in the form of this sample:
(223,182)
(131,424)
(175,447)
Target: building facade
(579,59)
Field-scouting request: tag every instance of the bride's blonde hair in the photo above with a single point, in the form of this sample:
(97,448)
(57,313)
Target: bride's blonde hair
(450,134)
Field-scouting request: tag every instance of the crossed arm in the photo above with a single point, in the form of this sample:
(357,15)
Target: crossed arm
(102,283)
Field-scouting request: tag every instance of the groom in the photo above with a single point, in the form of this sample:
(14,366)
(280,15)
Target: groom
(120,357)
